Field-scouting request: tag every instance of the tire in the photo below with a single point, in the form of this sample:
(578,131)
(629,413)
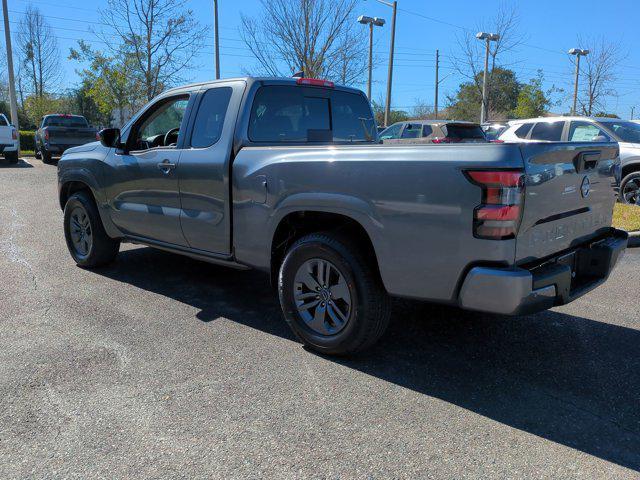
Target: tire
(630,189)
(367,312)
(46,157)
(11,157)
(100,248)
(37,154)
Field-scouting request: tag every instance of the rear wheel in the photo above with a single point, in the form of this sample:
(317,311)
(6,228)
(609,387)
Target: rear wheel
(630,189)
(11,157)
(87,241)
(46,157)
(37,154)
(331,295)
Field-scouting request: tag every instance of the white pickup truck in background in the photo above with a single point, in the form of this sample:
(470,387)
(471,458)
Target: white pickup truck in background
(8,140)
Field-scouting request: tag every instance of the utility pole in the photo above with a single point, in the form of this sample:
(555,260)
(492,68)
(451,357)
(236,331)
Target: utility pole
(487,37)
(12,81)
(216,40)
(578,52)
(435,103)
(371,21)
(632,110)
(387,108)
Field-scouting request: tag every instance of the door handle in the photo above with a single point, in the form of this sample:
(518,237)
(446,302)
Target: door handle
(166,166)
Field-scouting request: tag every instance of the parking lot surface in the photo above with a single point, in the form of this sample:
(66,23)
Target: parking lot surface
(161,366)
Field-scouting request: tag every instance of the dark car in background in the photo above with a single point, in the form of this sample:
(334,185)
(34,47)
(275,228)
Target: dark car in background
(433,131)
(59,132)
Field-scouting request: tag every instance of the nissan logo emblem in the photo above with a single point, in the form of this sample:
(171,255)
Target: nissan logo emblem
(586,187)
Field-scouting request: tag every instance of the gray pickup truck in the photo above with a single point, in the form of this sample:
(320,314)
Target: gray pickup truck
(58,132)
(287,176)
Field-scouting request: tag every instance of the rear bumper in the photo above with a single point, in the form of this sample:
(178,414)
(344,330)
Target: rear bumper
(557,281)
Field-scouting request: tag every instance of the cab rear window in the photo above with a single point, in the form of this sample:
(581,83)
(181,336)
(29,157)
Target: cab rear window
(65,121)
(300,114)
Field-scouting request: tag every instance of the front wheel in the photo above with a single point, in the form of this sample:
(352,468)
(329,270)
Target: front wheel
(332,296)
(87,241)
(630,189)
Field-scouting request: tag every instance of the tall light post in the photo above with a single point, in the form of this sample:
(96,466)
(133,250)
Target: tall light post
(12,84)
(216,39)
(371,21)
(578,52)
(488,38)
(387,108)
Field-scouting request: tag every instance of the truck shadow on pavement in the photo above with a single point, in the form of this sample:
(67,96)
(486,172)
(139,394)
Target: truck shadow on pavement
(21,164)
(567,379)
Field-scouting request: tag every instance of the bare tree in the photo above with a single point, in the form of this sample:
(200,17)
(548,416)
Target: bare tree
(471,63)
(39,53)
(598,73)
(162,36)
(318,37)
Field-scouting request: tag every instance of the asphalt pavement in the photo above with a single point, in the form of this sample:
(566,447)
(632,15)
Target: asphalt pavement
(162,366)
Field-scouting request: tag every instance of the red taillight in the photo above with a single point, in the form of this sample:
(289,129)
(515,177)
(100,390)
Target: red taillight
(446,140)
(498,216)
(316,82)
(14,134)
(495,140)
(46,134)
(98,136)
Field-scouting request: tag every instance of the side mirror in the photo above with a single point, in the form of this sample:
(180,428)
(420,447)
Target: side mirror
(109,137)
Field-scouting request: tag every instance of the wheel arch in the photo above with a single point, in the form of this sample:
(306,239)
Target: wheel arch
(298,223)
(630,167)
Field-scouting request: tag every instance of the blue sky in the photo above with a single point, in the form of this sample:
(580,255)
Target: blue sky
(550,28)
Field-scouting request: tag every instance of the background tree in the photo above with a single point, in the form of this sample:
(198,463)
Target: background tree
(159,38)
(598,74)
(39,54)
(395,115)
(470,63)
(37,106)
(317,37)
(111,82)
(533,101)
(503,91)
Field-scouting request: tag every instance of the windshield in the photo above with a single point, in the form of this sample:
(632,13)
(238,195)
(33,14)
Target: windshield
(65,121)
(626,131)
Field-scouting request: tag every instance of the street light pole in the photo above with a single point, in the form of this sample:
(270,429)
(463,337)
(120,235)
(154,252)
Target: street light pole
(435,103)
(578,52)
(12,82)
(370,60)
(216,39)
(371,21)
(487,37)
(387,109)
(483,111)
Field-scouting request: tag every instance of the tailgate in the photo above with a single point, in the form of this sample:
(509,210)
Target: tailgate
(70,135)
(569,196)
(5,135)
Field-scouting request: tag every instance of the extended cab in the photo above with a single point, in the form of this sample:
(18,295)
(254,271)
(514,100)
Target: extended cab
(287,176)
(59,132)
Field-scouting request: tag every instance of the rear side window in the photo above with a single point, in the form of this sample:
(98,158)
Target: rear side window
(299,114)
(586,132)
(3,121)
(548,131)
(209,120)
(411,130)
(464,132)
(523,130)
(426,130)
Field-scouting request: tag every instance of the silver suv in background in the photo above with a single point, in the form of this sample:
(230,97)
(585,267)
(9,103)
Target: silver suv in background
(586,129)
(433,131)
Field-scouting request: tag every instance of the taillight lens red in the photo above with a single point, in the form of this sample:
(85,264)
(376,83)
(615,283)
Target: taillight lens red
(14,134)
(98,136)
(46,134)
(498,216)
(316,82)
(446,140)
